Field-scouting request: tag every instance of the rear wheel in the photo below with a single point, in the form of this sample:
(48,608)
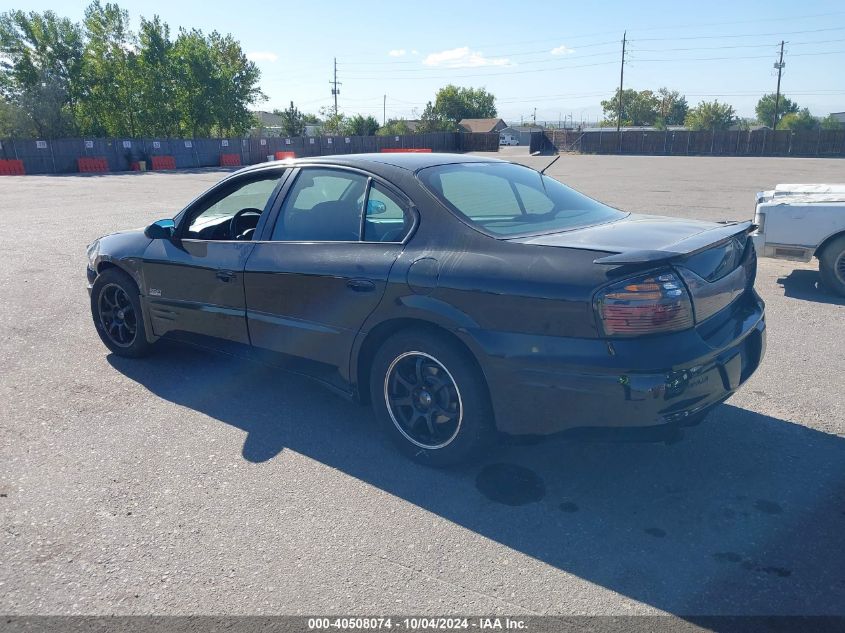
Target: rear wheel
(832,265)
(116,310)
(430,398)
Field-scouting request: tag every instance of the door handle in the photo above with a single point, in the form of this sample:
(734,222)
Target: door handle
(361,285)
(225,275)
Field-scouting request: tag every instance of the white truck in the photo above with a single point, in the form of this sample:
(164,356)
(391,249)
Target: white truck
(799,222)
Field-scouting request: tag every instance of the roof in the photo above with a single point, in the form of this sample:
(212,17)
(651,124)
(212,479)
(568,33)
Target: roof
(481,125)
(411,161)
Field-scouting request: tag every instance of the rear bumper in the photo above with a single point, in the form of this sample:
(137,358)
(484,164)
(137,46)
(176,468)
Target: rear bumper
(543,385)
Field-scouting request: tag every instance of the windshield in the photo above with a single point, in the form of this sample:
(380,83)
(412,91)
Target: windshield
(508,200)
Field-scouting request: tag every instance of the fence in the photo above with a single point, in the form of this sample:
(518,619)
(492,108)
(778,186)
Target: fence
(59,156)
(764,142)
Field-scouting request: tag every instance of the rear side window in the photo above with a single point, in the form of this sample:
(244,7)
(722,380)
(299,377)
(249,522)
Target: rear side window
(508,200)
(386,220)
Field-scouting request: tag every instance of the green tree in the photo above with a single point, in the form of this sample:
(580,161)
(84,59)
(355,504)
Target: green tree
(359,125)
(638,108)
(801,120)
(455,103)
(830,122)
(765,108)
(333,122)
(293,121)
(433,120)
(40,64)
(110,73)
(672,107)
(710,115)
(394,127)
(158,113)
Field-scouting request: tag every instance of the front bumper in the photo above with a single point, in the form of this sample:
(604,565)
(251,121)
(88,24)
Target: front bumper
(541,385)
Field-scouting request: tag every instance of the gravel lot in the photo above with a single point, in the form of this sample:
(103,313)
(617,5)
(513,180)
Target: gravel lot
(192,483)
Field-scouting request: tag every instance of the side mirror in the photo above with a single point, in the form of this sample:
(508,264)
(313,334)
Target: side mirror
(374,207)
(161,230)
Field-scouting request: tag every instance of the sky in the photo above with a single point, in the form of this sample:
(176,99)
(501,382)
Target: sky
(561,58)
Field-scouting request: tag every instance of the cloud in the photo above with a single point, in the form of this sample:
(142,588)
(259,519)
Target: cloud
(262,56)
(415,52)
(562,50)
(464,58)
(397,52)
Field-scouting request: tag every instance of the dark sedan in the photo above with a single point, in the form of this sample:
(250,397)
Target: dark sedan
(461,296)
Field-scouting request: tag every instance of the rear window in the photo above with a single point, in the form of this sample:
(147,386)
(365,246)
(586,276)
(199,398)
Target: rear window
(508,200)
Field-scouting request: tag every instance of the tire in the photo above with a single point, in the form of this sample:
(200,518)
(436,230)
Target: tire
(116,310)
(422,381)
(832,265)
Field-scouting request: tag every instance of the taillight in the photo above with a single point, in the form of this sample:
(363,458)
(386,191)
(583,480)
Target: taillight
(648,304)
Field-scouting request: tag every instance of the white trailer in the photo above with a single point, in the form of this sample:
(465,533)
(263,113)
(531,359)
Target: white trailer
(799,222)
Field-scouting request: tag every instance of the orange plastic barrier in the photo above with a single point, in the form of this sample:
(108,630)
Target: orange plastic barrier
(12,167)
(284,155)
(92,164)
(230,160)
(400,150)
(163,162)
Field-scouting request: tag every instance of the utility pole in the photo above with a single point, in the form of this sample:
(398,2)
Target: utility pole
(384,112)
(535,116)
(779,65)
(621,80)
(335,83)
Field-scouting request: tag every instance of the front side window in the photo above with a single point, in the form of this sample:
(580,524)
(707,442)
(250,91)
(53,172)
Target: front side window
(324,205)
(508,200)
(232,215)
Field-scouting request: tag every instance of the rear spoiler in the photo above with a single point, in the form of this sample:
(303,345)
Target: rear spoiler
(693,244)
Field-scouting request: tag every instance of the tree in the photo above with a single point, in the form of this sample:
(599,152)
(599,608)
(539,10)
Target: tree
(158,112)
(638,108)
(40,62)
(293,121)
(830,122)
(710,115)
(359,125)
(454,103)
(765,108)
(796,121)
(432,120)
(394,127)
(672,107)
(333,122)
(59,78)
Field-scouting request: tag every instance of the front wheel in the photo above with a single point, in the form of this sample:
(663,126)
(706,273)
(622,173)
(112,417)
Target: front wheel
(116,310)
(430,398)
(832,265)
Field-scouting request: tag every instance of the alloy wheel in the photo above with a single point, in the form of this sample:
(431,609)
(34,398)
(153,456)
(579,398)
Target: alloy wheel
(117,315)
(423,400)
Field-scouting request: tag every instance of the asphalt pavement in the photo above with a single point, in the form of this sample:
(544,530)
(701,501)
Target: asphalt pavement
(194,483)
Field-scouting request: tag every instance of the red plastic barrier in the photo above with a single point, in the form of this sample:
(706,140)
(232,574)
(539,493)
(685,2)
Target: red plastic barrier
(92,164)
(285,155)
(230,160)
(12,167)
(163,162)
(402,150)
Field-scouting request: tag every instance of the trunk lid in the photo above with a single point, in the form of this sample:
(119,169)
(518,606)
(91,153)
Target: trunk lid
(716,261)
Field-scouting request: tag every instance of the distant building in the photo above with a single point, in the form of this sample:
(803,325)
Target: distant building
(482,125)
(839,116)
(521,132)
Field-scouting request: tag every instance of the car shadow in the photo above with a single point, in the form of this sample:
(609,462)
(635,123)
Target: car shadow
(745,516)
(807,286)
